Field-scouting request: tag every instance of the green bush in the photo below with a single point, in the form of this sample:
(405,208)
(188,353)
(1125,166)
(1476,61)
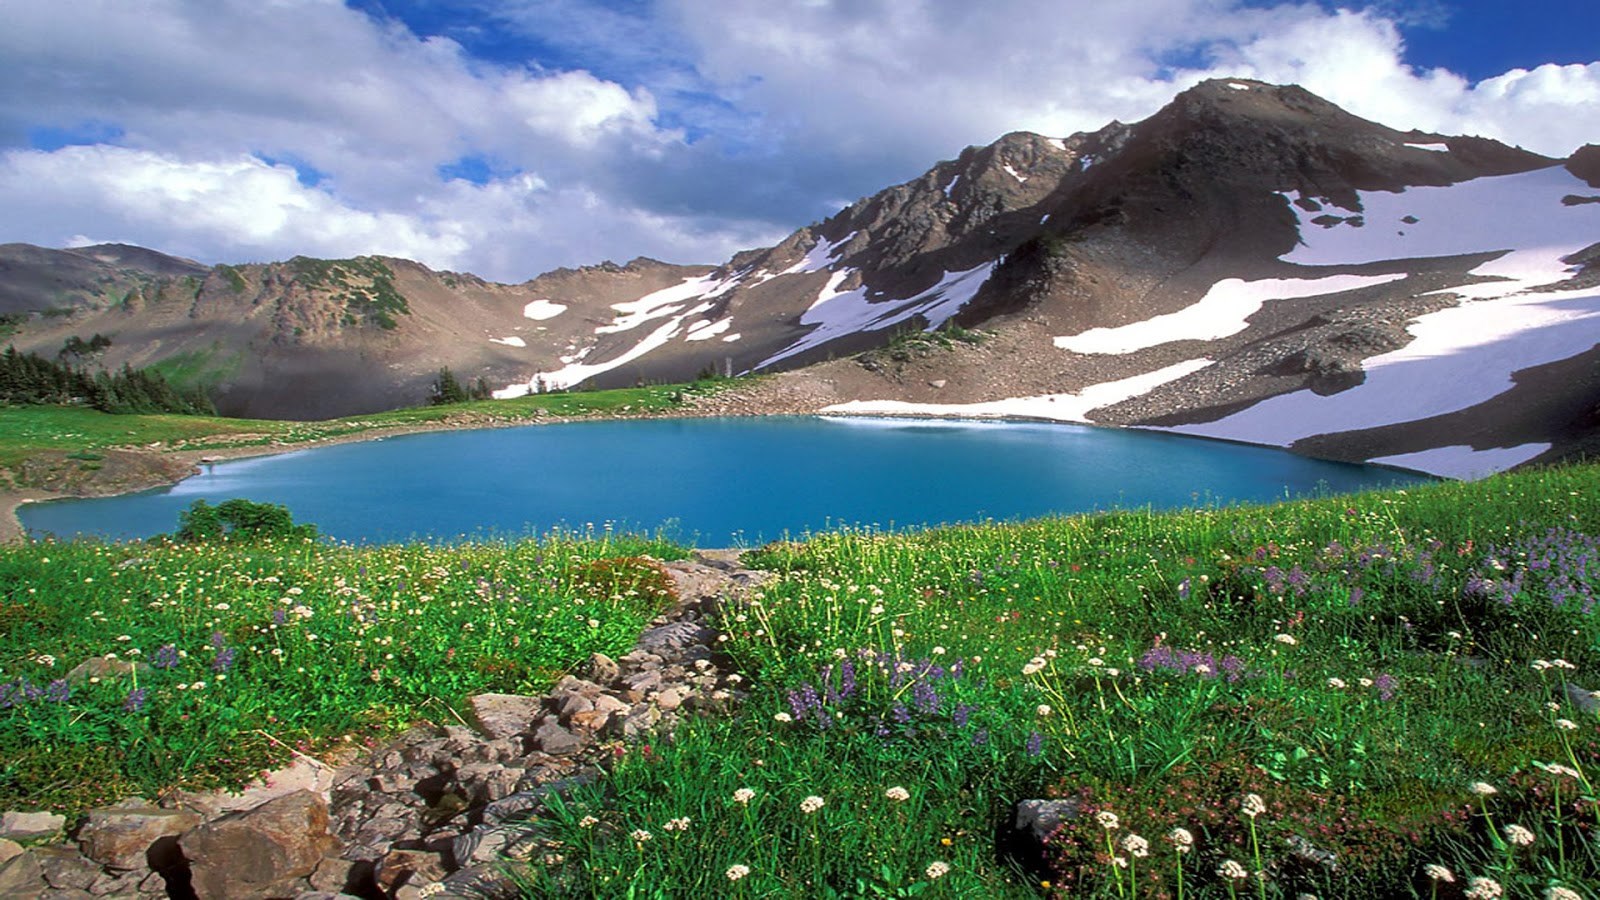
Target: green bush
(239,520)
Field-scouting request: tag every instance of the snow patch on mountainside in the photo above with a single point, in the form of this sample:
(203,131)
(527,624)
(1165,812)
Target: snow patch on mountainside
(509,341)
(819,257)
(706,329)
(1436,147)
(836,313)
(1463,462)
(1073,407)
(1223,312)
(539,310)
(1461,356)
(661,303)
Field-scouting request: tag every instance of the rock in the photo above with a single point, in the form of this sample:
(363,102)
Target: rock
(9,849)
(572,704)
(102,668)
(255,854)
(21,878)
(602,669)
(31,826)
(673,640)
(124,837)
(303,774)
(671,698)
(480,882)
(65,868)
(125,884)
(503,715)
(333,875)
(555,740)
(937,383)
(1586,702)
(414,867)
(1041,817)
(641,720)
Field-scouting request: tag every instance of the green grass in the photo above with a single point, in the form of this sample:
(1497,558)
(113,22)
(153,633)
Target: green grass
(1332,675)
(202,369)
(1336,658)
(215,659)
(27,430)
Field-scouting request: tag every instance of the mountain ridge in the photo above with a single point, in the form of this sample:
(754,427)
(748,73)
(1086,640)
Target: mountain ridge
(1052,243)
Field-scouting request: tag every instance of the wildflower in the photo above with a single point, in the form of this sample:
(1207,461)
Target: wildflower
(1107,819)
(1539,665)
(1136,846)
(1252,805)
(58,691)
(588,822)
(1336,683)
(135,701)
(1556,892)
(1483,889)
(678,824)
(1287,640)
(639,835)
(737,871)
(897,794)
(1182,840)
(1518,835)
(1483,789)
(811,804)
(743,796)
(1232,869)
(1562,664)
(1043,710)
(1035,745)
(938,869)
(1566,725)
(1438,873)
(1034,666)
(46,660)
(783,717)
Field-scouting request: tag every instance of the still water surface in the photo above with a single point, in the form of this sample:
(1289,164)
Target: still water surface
(721,482)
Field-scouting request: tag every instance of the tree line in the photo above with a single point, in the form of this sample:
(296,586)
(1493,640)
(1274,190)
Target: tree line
(28,379)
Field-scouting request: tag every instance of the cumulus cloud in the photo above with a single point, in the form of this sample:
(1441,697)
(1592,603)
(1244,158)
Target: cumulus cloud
(252,129)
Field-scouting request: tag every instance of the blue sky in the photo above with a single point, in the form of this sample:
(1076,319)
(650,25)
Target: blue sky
(509,137)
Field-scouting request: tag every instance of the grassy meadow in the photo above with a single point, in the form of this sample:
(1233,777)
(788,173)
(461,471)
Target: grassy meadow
(26,430)
(1376,695)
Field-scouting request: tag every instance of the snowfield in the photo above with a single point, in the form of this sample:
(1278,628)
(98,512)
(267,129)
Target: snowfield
(1465,355)
(1074,407)
(836,313)
(1223,312)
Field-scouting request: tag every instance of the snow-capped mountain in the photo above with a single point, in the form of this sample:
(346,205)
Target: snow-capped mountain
(1250,263)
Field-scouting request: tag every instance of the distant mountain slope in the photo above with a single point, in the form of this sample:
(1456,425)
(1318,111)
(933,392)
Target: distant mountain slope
(1251,262)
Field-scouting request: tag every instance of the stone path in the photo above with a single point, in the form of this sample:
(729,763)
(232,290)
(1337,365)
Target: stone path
(435,813)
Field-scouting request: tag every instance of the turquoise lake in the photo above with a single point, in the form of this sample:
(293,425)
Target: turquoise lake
(721,482)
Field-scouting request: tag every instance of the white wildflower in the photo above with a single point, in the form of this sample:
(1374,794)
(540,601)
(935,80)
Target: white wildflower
(737,871)
(897,794)
(938,869)
(811,804)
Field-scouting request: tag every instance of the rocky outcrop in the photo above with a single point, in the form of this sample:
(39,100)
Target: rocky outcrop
(441,807)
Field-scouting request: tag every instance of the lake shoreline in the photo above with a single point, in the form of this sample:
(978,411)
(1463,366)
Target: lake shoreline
(758,400)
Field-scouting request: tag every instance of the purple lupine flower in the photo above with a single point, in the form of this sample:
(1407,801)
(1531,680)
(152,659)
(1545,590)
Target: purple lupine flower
(280,616)
(1385,685)
(924,697)
(1232,666)
(961,714)
(224,660)
(135,701)
(1183,589)
(900,714)
(31,691)
(58,691)
(166,657)
(8,695)
(361,571)
(1035,744)
(218,639)
(980,737)
(1356,593)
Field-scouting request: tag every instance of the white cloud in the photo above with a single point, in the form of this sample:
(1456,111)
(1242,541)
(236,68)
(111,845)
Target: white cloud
(724,130)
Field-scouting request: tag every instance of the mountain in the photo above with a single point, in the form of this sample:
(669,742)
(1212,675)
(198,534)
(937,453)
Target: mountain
(1251,262)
